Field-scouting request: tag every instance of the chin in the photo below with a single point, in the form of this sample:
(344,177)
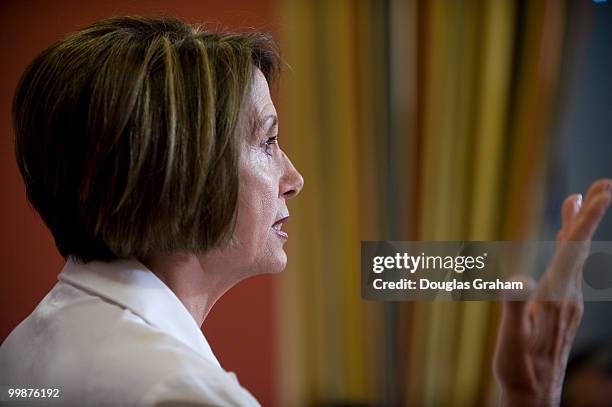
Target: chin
(279,263)
(272,263)
(276,264)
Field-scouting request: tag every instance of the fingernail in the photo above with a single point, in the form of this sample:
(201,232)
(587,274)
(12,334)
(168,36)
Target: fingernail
(579,201)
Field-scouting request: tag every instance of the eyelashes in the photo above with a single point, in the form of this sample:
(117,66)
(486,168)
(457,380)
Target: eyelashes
(269,143)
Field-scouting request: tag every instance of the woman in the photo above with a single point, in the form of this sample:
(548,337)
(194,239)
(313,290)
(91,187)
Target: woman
(150,150)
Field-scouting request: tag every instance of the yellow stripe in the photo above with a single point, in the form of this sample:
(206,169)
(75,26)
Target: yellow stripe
(300,313)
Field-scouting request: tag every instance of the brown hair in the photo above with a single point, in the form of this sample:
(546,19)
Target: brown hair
(127,132)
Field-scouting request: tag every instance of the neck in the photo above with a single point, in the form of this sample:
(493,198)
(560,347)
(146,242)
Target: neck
(197,281)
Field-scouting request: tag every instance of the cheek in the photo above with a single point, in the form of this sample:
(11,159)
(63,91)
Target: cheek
(257,207)
(267,202)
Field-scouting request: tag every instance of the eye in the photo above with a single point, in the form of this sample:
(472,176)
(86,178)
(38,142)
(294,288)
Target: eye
(270,142)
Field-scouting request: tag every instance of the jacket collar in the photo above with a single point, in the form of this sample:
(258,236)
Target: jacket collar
(130,284)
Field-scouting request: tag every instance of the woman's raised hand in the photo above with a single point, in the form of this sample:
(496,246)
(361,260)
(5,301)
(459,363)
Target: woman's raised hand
(536,334)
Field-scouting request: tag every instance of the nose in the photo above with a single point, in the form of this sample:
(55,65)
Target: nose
(292,181)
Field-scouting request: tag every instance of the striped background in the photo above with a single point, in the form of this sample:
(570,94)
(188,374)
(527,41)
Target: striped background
(409,120)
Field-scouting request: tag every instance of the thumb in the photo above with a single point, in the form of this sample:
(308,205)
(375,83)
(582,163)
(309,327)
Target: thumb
(516,303)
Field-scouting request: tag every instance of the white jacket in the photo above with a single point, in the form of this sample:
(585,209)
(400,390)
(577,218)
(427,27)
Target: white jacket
(113,334)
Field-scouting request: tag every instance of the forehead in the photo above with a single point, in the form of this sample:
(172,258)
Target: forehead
(260,95)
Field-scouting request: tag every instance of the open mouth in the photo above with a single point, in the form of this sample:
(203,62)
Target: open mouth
(278,227)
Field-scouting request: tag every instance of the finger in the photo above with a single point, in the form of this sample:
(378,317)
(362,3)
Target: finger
(515,306)
(569,210)
(572,316)
(515,319)
(590,216)
(546,336)
(596,187)
(563,280)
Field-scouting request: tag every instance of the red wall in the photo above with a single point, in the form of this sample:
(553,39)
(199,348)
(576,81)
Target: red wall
(240,328)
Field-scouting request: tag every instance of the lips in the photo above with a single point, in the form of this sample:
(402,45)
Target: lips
(278,227)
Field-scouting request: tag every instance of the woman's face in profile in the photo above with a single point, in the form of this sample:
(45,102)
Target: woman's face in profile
(267,179)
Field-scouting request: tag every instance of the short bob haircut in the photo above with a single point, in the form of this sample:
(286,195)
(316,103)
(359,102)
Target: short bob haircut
(127,135)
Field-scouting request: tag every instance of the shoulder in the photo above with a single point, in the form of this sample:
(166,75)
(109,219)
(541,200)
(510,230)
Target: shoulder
(180,388)
(164,371)
(149,365)
(157,370)
(108,355)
